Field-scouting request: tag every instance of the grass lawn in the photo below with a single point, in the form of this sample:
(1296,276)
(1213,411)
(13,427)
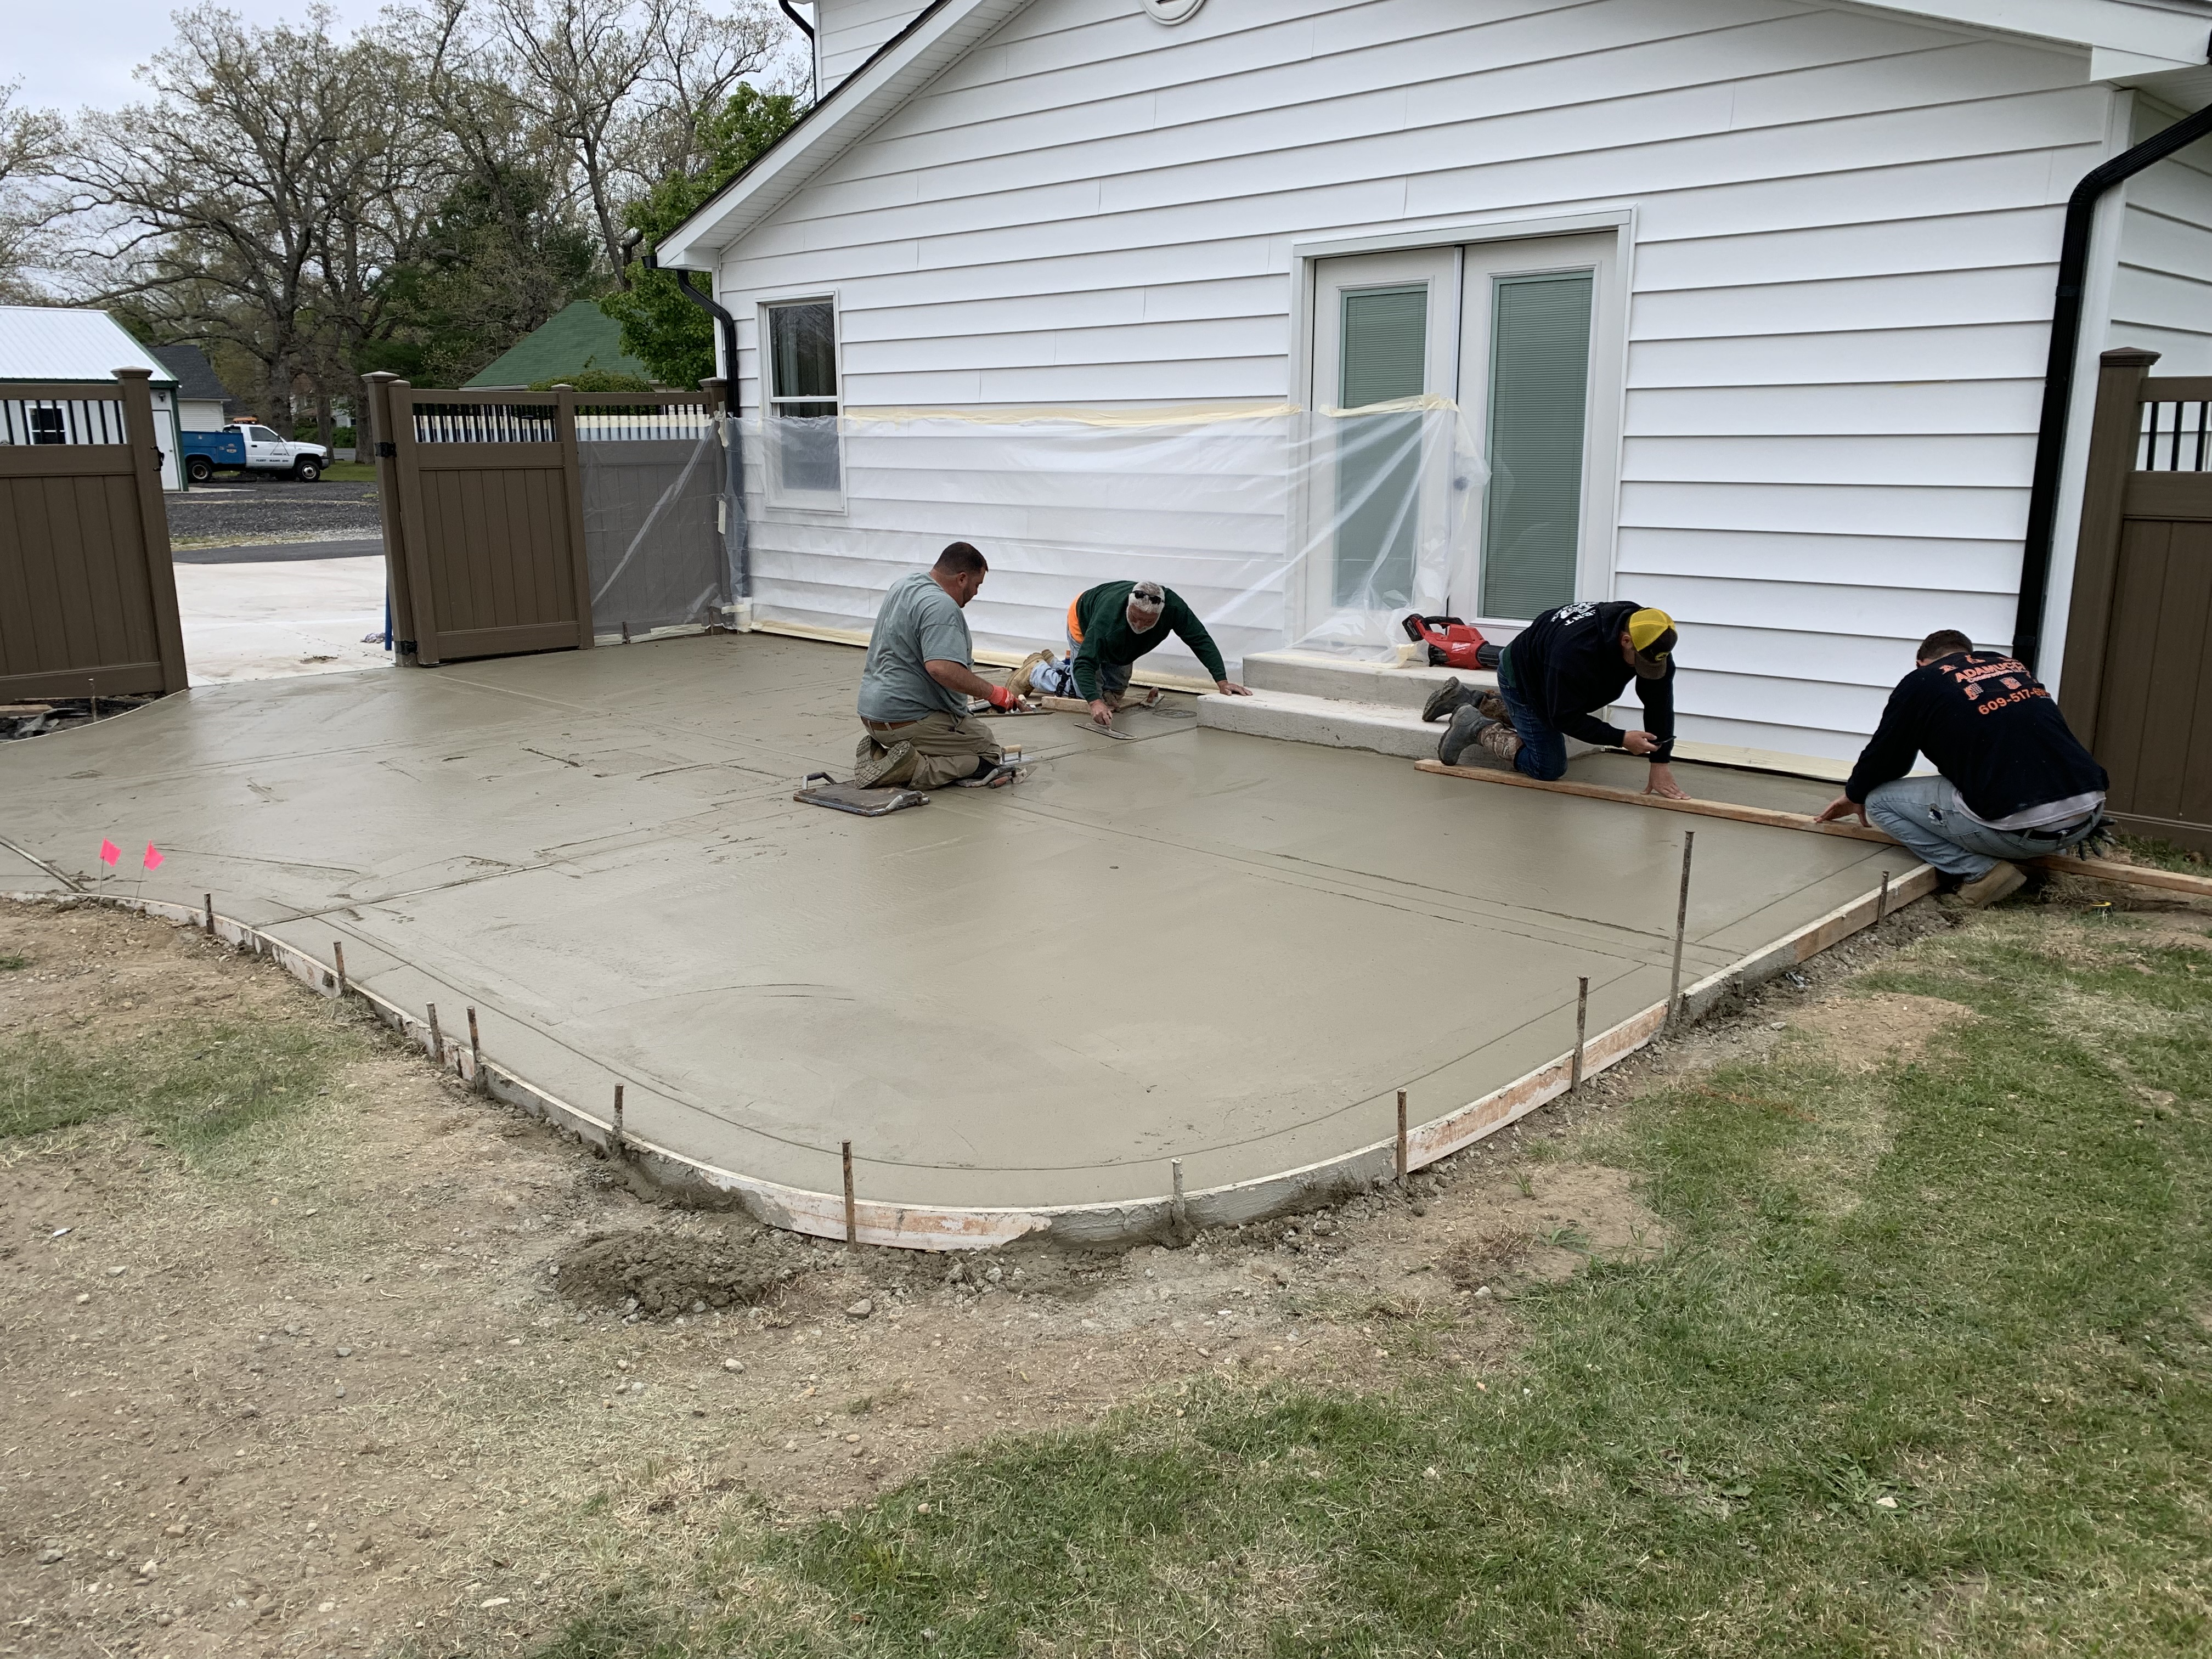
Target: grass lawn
(351,472)
(1922,1369)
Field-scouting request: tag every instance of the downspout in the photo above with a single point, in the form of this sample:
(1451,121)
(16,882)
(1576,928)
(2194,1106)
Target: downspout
(2058,370)
(734,493)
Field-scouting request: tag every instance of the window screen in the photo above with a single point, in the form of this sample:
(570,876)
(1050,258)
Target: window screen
(1538,389)
(802,353)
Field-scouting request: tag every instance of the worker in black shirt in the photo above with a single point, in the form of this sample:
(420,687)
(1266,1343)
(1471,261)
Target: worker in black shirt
(2014,782)
(1551,680)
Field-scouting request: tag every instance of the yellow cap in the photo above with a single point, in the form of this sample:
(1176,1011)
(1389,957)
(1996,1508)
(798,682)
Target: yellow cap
(1645,626)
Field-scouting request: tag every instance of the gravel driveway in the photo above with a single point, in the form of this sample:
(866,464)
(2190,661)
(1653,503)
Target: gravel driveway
(237,510)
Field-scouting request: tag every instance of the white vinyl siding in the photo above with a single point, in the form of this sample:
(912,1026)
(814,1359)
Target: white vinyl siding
(2162,290)
(849,32)
(1846,223)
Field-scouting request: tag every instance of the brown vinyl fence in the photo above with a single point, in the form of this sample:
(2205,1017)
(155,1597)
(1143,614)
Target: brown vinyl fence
(87,593)
(2137,681)
(518,521)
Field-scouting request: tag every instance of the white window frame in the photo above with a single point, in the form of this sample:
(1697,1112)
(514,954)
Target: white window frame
(798,501)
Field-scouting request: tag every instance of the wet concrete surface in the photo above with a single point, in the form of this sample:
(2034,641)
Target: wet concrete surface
(1212,947)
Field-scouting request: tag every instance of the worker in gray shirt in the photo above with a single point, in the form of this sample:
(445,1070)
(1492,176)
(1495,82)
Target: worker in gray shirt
(916,685)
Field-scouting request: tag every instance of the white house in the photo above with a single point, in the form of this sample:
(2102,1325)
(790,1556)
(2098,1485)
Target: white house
(1745,302)
(203,400)
(52,344)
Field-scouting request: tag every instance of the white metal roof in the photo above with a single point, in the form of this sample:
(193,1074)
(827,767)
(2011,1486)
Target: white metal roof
(47,342)
(2126,40)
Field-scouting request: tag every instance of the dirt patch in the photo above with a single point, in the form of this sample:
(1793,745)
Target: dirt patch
(1865,1033)
(368,1376)
(656,1272)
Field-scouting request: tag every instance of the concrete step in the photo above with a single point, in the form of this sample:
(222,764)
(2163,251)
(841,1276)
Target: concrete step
(1333,722)
(1311,674)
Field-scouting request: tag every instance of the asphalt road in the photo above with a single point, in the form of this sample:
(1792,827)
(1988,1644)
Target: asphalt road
(256,509)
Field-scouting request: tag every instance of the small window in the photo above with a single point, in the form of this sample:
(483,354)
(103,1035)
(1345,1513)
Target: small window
(805,452)
(48,426)
(262,434)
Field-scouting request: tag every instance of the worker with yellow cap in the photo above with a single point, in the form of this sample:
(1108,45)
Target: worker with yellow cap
(1552,679)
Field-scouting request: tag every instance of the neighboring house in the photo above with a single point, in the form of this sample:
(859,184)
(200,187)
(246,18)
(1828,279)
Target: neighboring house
(50,344)
(203,402)
(577,336)
(1768,285)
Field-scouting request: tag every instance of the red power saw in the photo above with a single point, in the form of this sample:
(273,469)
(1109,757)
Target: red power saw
(1452,643)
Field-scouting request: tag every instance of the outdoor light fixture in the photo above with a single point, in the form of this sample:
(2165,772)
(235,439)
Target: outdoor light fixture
(1172,11)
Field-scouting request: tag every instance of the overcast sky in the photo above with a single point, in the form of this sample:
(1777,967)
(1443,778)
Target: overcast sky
(82,52)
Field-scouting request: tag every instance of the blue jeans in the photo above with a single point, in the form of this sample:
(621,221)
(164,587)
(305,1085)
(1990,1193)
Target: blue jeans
(1543,745)
(1112,680)
(1930,822)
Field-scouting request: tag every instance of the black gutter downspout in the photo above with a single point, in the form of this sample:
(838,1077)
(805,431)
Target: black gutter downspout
(741,542)
(2058,370)
(814,46)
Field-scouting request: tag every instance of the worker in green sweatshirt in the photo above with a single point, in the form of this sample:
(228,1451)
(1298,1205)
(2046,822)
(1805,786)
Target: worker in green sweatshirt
(1109,628)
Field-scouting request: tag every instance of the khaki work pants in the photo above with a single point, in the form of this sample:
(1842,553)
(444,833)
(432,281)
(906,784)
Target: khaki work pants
(945,747)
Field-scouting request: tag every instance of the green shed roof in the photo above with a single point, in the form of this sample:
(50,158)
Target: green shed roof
(578,337)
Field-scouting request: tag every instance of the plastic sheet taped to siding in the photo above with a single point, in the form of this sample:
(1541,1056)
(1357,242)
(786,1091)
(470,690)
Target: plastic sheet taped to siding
(652,539)
(1284,528)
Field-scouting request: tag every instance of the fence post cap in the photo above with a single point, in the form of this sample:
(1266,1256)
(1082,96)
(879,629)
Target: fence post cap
(134,374)
(379,375)
(2128,357)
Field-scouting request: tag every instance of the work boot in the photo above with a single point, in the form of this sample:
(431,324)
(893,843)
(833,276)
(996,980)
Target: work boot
(1443,701)
(2002,880)
(1473,729)
(1019,681)
(890,767)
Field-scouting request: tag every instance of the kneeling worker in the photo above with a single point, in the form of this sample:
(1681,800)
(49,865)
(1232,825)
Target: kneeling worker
(1109,628)
(1557,672)
(2015,781)
(915,684)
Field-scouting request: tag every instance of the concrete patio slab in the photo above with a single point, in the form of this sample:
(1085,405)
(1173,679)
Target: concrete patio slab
(1209,947)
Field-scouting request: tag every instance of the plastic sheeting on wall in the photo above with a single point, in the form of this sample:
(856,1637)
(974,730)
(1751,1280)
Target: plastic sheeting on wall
(1283,527)
(652,535)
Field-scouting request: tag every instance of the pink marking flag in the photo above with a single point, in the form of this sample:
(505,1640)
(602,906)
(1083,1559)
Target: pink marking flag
(153,856)
(109,852)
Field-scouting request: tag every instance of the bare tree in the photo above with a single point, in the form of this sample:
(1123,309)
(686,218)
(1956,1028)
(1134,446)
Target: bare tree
(620,85)
(212,208)
(29,139)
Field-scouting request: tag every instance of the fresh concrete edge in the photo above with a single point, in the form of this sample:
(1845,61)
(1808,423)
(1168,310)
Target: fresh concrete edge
(2065,864)
(903,1226)
(859,636)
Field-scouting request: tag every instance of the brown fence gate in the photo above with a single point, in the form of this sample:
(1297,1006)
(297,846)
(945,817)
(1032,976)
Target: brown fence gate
(87,594)
(519,521)
(2137,681)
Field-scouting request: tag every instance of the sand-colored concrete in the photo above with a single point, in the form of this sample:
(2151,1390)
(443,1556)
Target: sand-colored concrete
(267,618)
(1209,947)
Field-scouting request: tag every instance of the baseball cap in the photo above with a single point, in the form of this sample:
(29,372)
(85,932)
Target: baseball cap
(1148,596)
(1652,633)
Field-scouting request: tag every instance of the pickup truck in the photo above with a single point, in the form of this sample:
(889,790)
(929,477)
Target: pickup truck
(248,448)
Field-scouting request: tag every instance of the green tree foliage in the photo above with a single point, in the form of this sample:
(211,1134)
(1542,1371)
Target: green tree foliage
(505,255)
(660,327)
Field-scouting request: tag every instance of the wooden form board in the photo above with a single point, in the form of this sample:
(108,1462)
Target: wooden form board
(2134,875)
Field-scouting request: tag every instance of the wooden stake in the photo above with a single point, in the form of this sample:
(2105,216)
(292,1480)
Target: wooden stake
(1401,1137)
(621,1146)
(1882,899)
(1178,1212)
(1682,924)
(210,914)
(337,954)
(476,1056)
(437,1042)
(852,1211)
(1582,1030)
